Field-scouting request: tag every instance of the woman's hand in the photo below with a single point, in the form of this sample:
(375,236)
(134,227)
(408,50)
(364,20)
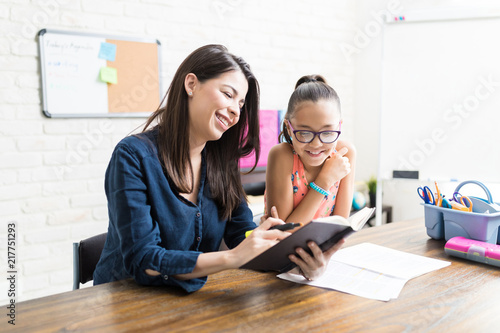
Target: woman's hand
(334,169)
(259,240)
(312,267)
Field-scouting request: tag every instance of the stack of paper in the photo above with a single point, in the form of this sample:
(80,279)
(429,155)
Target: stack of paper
(371,271)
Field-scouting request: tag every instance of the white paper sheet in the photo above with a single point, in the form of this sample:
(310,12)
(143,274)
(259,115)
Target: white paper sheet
(370,271)
(388,261)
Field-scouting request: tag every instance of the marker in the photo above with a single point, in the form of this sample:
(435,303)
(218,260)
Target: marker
(286,226)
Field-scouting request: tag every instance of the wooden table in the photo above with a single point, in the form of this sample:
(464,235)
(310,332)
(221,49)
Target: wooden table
(463,297)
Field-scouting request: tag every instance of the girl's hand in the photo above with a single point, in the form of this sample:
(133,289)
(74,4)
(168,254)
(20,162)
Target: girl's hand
(334,169)
(312,267)
(259,240)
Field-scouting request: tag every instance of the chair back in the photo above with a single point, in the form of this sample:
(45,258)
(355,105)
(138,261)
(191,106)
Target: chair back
(86,254)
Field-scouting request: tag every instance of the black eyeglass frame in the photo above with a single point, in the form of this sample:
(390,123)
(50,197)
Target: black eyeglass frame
(315,133)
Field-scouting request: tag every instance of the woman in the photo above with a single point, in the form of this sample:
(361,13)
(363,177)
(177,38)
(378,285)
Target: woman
(174,191)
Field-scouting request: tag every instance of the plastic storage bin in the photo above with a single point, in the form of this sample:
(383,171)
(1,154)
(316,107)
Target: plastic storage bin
(448,223)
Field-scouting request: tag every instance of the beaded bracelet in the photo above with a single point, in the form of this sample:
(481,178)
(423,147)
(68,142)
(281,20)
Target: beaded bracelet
(319,189)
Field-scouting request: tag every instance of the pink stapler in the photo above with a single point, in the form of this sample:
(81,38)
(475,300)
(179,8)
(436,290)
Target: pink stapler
(482,252)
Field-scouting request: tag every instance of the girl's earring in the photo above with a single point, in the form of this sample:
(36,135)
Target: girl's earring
(190,93)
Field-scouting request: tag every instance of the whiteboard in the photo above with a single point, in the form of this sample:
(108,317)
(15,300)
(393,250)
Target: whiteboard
(440,107)
(73,84)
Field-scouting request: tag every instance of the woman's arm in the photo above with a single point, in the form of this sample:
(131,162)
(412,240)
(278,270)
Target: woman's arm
(257,242)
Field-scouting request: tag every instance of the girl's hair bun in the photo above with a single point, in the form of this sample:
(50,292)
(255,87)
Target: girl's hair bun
(310,78)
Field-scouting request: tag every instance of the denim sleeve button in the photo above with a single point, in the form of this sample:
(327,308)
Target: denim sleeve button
(165,277)
(198,214)
(198,238)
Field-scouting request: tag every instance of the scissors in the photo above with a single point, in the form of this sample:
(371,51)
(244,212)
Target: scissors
(426,194)
(461,202)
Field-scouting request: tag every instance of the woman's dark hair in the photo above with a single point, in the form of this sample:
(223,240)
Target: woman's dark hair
(309,88)
(222,156)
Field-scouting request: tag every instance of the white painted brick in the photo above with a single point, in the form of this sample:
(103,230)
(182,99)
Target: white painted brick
(74,172)
(61,278)
(86,230)
(6,78)
(18,64)
(70,216)
(63,170)
(157,28)
(34,283)
(139,10)
(24,175)
(30,252)
(103,7)
(29,112)
(82,20)
(100,156)
(88,200)
(46,291)
(7,144)
(45,204)
(20,160)
(49,264)
(38,174)
(103,126)
(56,159)
(60,126)
(9,208)
(63,188)
(100,213)
(61,249)
(28,80)
(34,15)
(28,222)
(62,4)
(96,185)
(19,96)
(28,48)
(126,24)
(47,235)
(12,31)
(90,141)
(4,11)
(126,126)
(17,128)
(40,143)
(8,177)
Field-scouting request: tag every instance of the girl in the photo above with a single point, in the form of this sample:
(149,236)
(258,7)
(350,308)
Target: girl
(310,175)
(174,191)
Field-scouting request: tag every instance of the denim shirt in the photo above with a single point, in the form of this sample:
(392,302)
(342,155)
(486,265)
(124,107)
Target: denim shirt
(152,227)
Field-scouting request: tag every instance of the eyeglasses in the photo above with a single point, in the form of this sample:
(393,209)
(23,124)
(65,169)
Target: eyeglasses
(308,136)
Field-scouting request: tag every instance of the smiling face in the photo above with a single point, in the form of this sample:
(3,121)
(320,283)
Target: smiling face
(214,105)
(322,115)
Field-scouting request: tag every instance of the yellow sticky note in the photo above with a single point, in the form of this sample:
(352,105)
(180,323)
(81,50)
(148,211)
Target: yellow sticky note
(109,74)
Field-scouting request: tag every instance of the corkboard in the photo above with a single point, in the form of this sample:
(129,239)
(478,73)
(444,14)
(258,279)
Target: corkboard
(73,83)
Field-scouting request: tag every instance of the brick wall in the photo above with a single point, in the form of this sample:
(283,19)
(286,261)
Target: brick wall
(52,170)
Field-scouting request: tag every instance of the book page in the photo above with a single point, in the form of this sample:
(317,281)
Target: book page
(356,221)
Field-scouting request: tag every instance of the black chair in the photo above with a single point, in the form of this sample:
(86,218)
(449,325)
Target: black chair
(86,254)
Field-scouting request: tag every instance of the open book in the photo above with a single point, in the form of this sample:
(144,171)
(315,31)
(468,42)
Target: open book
(326,232)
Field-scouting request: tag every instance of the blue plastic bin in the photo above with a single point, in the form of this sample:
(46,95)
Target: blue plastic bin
(448,223)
